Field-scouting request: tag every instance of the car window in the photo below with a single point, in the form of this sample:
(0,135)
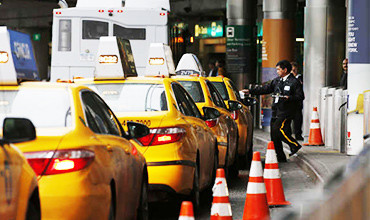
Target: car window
(195,90)
(182,101)
(221,88)
(191,102)
(112,123)
(235,90)
(129,33)
(93,30)
(133,97)
(45,107)
(216,97)
(98,116)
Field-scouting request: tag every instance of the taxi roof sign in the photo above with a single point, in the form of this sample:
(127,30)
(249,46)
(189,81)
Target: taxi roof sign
(115,59)
(8,74)
(160,61)
(188,65)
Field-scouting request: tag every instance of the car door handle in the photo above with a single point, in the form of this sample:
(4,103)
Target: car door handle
(109,148)
(127,151)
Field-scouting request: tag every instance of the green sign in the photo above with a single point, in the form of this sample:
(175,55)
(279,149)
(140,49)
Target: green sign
(36,37)
(209,29)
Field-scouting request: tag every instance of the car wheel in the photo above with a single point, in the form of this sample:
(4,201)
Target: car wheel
(111,209)
(143,210)
(233,169)
(195,195)
(33,209)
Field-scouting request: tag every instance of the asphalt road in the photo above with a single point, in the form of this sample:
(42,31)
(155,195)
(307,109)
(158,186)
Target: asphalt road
(298,187)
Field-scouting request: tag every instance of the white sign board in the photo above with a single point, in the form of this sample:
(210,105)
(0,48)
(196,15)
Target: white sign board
(160,61)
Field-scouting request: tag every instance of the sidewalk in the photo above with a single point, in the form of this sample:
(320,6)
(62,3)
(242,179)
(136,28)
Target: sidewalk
(320,163)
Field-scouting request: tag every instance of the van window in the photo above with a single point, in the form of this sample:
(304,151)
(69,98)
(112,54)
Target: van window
(93,30)
(129,33)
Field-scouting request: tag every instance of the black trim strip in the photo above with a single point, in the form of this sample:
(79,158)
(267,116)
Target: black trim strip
(174,162)
(222,143)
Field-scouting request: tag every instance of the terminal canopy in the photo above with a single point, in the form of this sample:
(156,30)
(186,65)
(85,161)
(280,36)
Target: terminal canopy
(160,61)
(115,59)
(188,65)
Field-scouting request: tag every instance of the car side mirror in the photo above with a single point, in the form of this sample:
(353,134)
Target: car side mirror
(16,130)
(234,105)
(249,101)
(137,130)
(211,113)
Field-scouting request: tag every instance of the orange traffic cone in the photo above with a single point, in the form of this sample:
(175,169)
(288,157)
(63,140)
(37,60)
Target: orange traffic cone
(221,208)
(271,175)
(315,138)
(256,206)
(186,212)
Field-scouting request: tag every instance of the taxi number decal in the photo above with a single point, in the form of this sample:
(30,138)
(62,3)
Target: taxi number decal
(145,122)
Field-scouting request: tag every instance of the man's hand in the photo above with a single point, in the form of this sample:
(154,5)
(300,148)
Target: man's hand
(246,91)
(286,97)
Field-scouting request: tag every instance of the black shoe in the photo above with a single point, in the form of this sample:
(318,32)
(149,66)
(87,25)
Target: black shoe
(299,138)
(294,151)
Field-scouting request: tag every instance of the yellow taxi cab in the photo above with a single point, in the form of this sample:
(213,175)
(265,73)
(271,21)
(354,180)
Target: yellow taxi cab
(205,94)
(85,165)
(181,150)
(19,192)
(242,116)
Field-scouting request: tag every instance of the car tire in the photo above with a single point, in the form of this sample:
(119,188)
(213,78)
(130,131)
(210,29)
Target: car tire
(195,194)
(143,210)
(233,169)
(112,215)
(33,208)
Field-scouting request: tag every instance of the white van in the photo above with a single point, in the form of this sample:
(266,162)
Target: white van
(76,32)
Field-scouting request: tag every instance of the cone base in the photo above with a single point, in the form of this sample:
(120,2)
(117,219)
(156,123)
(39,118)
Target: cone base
(308,144)
(279,203)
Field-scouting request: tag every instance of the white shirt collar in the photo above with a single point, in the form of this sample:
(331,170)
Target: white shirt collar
(298,75)
(285,77)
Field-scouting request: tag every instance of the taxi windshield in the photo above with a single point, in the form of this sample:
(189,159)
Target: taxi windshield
(195,90)
(221,88)
(133,97)
(46,108)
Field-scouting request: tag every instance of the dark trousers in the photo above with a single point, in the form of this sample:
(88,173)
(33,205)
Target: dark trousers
(297,123)
(280,131)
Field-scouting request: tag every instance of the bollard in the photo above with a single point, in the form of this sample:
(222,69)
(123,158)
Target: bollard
(329,122)
(366,113)
(322,111)
(338,126)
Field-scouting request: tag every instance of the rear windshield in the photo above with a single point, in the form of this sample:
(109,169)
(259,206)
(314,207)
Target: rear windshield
(133,97)
(195,90)
(46,108)
(221,88)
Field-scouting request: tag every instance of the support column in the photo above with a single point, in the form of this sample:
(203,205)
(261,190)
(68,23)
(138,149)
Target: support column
(241,48)
(358,71)
(325,22)
(278,43)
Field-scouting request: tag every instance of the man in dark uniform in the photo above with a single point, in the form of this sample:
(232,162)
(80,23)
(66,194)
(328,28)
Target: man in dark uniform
(288,93)
(298,118)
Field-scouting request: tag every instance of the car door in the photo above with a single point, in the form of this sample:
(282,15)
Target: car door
(202,133)
(10,170)
(226,119)
(120,150)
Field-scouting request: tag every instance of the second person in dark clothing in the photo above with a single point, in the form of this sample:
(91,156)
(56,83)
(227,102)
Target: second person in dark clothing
(288,93)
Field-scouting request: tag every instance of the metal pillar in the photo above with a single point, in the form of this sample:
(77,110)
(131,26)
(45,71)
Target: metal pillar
(324,50)
(358,71)
(278,42)
(241,48)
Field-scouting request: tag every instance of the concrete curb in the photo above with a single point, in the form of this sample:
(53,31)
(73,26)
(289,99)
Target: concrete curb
(306,164)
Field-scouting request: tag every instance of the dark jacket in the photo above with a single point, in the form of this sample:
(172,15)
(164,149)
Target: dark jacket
(343,80)
(291,87)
